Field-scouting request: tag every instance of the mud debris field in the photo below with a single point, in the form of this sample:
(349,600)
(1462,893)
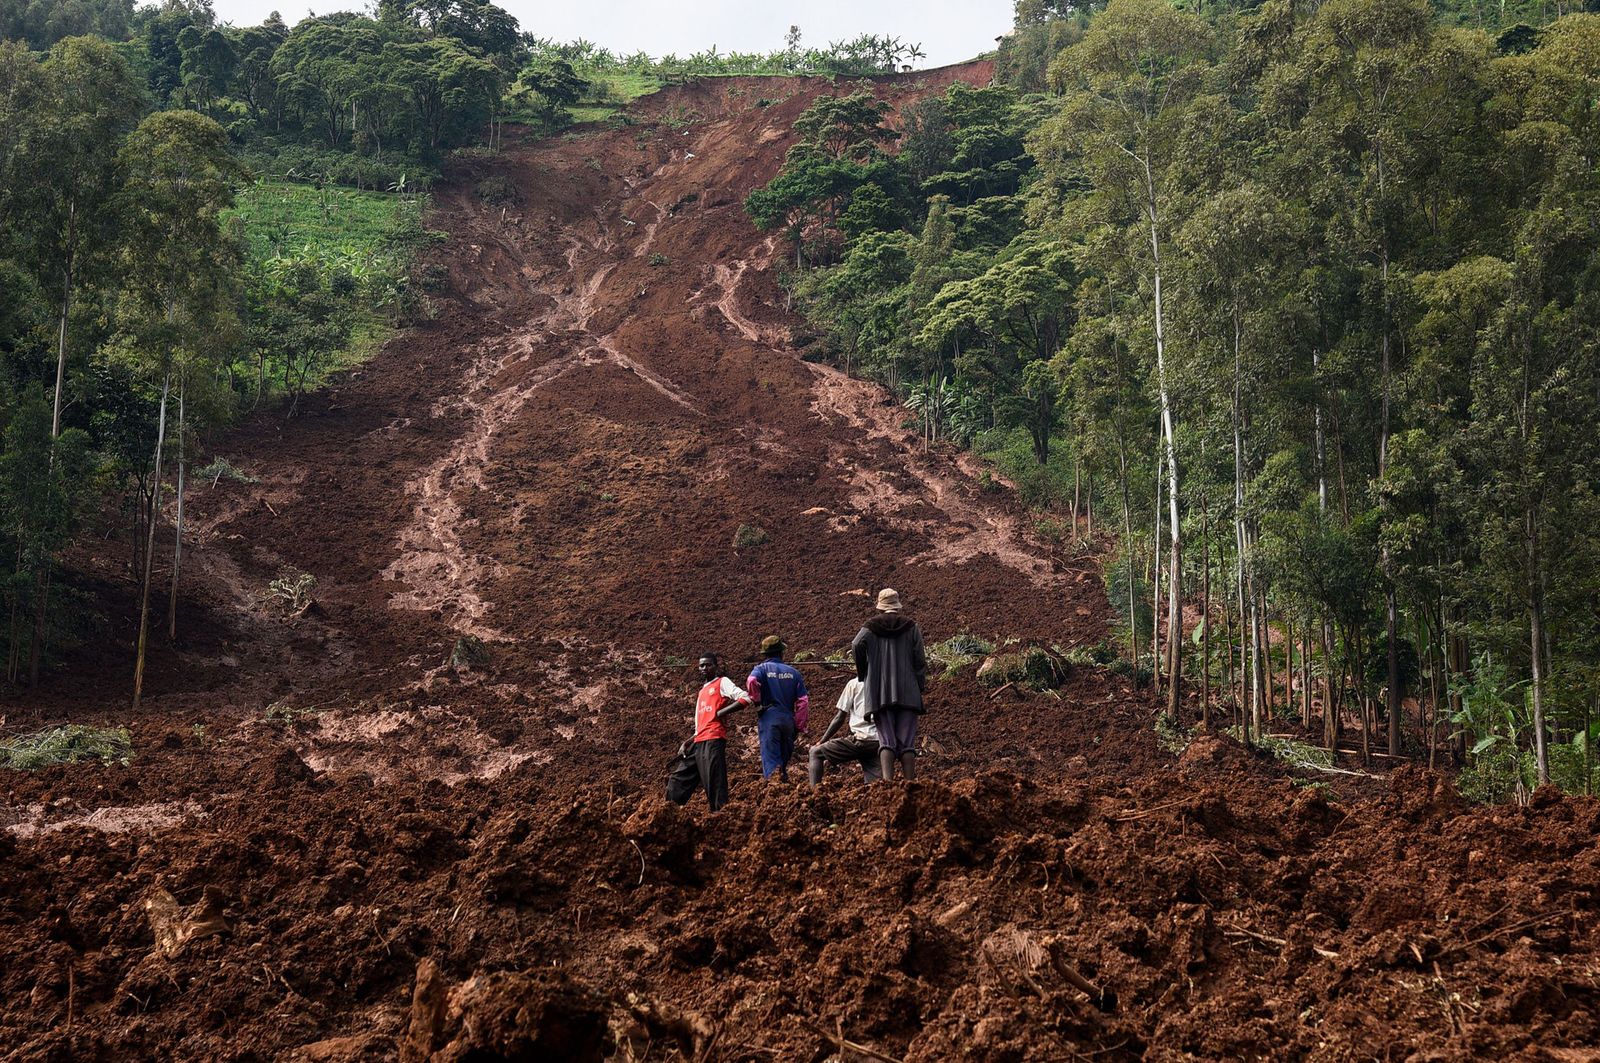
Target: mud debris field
(342,839)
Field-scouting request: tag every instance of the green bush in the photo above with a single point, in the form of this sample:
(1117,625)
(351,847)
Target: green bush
(959,651)
(222,469)
(1035,667)
(1171,735)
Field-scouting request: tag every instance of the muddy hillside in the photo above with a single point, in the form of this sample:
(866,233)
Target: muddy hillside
(418,816)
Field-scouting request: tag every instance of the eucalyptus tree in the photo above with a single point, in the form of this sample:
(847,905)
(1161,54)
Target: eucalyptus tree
(1134,86)
(176,259)
(1372,105)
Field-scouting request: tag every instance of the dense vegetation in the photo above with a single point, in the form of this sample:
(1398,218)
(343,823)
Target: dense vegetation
(145,299)
(1306,297)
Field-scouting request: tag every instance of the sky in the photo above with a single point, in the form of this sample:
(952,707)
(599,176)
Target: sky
(948,30)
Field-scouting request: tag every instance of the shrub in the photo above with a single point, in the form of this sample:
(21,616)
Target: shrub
(469,652)
(1035,667)
(1171,735)
(222,469)
(1295,754)
(958,651)
(284,714)
(293,589)
(497,190)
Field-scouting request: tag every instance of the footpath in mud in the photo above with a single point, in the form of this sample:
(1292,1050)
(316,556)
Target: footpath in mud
(350,834)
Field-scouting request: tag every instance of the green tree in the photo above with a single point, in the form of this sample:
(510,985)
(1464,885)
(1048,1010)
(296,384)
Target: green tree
(1135,86)
(180,179)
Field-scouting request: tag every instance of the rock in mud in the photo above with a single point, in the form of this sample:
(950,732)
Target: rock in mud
(469,653)
(512,1016)
(279,770)
(174,928)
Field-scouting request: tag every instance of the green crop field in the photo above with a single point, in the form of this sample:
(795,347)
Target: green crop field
(336,228)
(611,93)
(371,237)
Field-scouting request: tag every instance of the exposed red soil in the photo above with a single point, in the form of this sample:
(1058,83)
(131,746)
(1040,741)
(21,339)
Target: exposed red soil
(371,854)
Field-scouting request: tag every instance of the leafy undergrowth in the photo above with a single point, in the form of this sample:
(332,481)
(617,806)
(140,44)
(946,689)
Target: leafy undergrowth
(67,745)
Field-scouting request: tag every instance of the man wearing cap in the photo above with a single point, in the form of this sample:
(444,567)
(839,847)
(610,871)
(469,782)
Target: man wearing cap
(893,669)
(858,745)
(781,692)
(703,760)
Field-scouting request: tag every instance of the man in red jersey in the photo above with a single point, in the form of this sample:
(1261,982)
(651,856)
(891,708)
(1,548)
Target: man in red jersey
(703,760)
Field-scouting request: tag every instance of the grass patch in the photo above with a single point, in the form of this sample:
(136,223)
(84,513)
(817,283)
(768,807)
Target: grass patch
(336,228)
(222,469)
(959,651)
(361,244)
(609,93)
(68,745)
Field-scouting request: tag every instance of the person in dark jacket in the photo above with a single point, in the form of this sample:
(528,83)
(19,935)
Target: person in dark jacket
(891,664)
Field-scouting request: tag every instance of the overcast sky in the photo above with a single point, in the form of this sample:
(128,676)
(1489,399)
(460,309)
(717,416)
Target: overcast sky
(948,30)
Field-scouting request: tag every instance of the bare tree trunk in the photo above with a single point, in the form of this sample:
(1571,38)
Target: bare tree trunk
(1247,665)
(1541,754)
(1268,697)
(1155,578)
(1090,508)
(1288,662)
(1588,751)
(1205,613)
(1258,623)
(1127,548)
(1076,496)
(14,647)
(1322,456)
(177,539)
(1227,632)
(1175,589)
(66,311)
(1332,684)
(1305,674)
(150,546)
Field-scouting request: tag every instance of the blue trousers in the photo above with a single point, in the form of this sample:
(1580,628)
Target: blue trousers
(776,728)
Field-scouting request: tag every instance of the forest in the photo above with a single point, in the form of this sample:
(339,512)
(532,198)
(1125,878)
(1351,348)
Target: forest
(1298,302)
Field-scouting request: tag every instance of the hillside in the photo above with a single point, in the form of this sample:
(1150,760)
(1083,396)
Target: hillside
(407,849)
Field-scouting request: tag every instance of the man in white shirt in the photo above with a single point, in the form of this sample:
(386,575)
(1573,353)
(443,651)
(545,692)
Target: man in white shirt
(858,745)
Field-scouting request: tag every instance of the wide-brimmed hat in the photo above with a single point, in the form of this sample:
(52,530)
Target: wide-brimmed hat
(889,601)
(771,644)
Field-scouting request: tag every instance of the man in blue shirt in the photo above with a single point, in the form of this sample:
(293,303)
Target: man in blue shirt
(781,692)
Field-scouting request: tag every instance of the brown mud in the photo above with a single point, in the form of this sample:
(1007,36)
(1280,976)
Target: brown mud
(335,844)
